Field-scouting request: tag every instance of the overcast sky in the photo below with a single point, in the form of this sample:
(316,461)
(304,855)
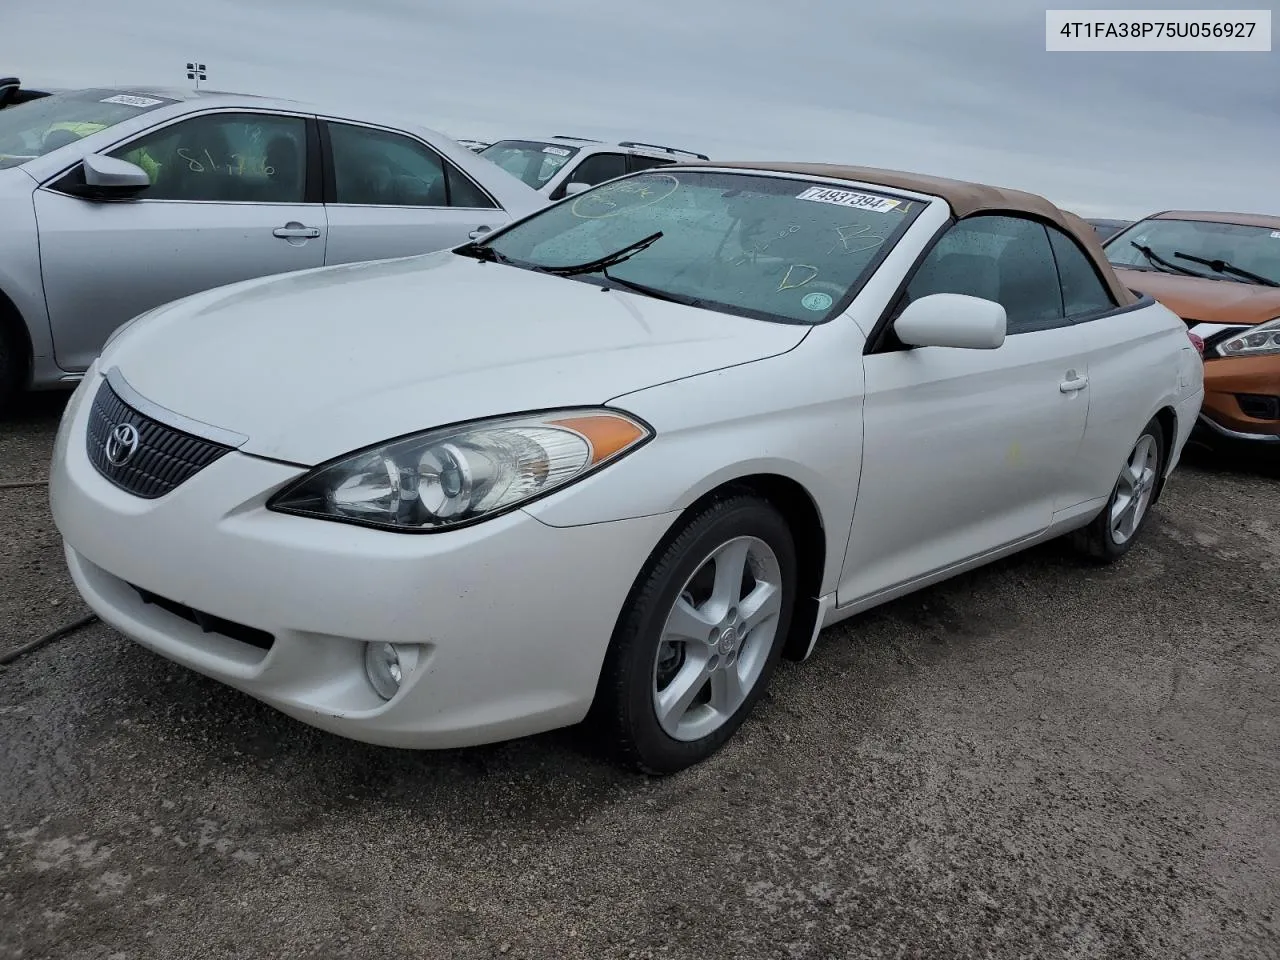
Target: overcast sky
(960,88)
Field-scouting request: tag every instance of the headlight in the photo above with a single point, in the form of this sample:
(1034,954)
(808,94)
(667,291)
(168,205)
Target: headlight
(1260,341)
(454,476)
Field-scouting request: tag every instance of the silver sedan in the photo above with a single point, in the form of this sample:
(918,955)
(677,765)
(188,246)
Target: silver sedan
(115,201)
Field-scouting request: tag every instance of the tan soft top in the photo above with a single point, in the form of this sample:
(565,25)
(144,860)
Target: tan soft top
(1206,216)
(965,199)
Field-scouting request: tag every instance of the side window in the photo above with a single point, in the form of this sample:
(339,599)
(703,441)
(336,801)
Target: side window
(386,169)
(1082,290)
(227,157)
(639,163)
(464,193)
(598,168)
(1005,259)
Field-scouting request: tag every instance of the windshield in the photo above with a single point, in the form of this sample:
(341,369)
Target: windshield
(533,161)
(37,127)
(758,246)
(1255,249)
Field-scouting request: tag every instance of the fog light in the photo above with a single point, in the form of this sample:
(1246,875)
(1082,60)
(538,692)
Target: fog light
(382,664)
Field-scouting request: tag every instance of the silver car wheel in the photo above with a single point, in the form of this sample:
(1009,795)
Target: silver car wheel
(717,638)
(1134,489)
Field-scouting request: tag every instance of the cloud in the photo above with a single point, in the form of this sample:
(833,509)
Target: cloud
(964,90)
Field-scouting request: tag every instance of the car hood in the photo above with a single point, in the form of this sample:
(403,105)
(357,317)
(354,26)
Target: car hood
(315,364)
(1208,301)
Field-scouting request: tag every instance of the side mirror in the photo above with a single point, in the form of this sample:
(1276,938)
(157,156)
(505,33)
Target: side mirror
(952,320)
(571,188)
(105,178)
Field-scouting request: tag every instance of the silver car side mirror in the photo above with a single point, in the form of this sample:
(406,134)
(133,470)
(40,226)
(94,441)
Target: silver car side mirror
(108,173)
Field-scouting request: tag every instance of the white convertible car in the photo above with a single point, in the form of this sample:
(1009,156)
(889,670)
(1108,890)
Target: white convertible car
(614,460)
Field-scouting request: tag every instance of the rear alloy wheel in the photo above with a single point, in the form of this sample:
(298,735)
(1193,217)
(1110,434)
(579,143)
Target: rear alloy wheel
(1115,529)
(701,635)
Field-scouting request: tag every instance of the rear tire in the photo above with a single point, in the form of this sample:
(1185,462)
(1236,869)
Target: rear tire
(701,634)
(1114,530)
(11,366)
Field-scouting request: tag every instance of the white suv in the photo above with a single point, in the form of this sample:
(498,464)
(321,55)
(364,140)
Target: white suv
(559,166)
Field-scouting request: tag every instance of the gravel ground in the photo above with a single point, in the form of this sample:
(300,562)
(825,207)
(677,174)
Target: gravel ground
(1038,759)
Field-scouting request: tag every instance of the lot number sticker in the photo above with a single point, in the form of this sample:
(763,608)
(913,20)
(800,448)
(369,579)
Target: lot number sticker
(130,101)
(848,198)
(556,151)
(1275,234)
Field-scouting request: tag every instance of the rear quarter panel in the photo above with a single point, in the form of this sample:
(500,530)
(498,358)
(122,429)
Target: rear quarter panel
(1140,361)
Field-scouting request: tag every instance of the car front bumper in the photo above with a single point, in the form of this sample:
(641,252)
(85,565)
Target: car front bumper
(509,619)
(1223,422)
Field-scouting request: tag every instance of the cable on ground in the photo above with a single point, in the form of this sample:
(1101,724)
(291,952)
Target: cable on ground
(11,655)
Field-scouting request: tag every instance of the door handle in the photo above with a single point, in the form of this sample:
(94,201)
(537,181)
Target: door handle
(1073,383)
(296,231)
(478,232)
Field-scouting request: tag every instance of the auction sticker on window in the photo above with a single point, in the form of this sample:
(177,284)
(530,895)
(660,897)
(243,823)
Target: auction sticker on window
(849,198)
(132,101)
(1275,234)
(556,151)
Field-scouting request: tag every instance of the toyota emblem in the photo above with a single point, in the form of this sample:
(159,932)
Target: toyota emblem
(122,443)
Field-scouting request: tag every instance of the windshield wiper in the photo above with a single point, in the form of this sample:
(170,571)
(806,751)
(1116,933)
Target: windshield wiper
(1225,266)
(603,263)
(652,291)
(1155,258)
(482,252)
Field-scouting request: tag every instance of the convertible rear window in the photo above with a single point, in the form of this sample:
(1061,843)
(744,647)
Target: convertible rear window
(32,129)
(758,245)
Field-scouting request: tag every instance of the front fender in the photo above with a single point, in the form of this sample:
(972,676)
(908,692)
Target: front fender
(797,415)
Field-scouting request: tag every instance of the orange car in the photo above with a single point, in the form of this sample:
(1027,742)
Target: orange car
(1220,272)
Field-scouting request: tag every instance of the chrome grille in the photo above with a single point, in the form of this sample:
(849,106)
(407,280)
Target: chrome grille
(164,457)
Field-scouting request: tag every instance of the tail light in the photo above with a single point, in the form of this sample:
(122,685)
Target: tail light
(1196,342)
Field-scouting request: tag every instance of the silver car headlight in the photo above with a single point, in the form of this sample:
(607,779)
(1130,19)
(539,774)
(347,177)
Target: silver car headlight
(1260,341)
(455,476)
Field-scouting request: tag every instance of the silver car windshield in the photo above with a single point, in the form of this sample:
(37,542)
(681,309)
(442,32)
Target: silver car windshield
(533,161)
(32,129)
(790,251)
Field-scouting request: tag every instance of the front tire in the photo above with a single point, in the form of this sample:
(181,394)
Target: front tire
(700,636)
(1113,532)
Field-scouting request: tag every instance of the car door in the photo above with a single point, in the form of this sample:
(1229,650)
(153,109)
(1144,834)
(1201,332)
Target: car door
(389,194)
(228,201)
(594,169)
(964,450)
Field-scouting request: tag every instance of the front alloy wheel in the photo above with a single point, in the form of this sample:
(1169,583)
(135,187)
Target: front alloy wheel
(701,634)
(717,639)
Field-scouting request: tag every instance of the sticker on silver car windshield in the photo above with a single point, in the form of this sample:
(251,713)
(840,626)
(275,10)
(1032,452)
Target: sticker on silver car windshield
(131,101)
(816,301)
(556,151)
(849,198)
(1275,234)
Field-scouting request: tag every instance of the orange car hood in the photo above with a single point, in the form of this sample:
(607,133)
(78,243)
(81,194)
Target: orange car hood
(1209,301)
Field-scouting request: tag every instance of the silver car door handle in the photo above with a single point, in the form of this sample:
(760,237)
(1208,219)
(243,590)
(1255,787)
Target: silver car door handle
(1073,384)
(297,232)
(478,232)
